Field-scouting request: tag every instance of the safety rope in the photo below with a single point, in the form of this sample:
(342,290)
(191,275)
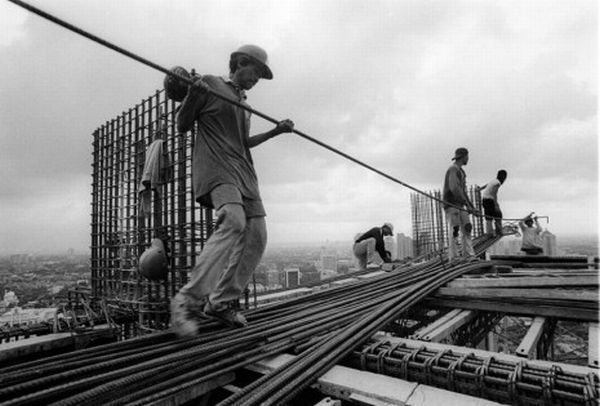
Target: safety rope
(189,81)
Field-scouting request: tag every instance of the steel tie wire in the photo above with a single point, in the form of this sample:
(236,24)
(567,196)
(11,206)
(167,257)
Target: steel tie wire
(482,372)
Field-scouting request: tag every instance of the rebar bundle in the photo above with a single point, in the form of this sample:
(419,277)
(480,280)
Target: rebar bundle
(322,329)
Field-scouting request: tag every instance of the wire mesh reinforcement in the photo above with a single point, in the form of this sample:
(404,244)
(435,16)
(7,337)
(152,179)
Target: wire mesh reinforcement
(429,223)
(498,380)
(121,230)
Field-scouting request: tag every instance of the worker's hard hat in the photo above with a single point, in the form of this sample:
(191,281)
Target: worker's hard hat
(390,226)
(175,88)
(153,262)
(259,56)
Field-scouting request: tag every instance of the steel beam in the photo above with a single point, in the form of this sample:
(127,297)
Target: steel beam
(439,322)
(528,347)
(443,331)
(593,344)
(473,332)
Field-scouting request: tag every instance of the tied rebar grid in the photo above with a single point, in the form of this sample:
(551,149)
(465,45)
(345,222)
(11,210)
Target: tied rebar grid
(504,381)
(120,233)
(429,225)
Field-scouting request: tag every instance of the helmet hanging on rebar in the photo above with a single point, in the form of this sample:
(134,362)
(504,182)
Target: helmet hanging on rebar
(153,262)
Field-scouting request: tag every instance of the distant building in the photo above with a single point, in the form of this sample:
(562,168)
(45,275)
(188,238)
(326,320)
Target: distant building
(292,277)
(272,276)
(549,243)
(21,317)
(329,262)
(506,246)
(10,299)
(390,245)
(404,247)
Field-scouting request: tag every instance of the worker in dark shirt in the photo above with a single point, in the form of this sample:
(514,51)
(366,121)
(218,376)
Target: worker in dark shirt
(366,244)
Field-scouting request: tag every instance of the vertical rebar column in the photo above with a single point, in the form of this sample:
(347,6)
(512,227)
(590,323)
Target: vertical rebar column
(120,233)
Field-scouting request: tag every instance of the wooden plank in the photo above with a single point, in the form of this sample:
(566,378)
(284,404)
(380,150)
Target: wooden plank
(429,395)
(593,344)
(554,294)
(559,312)
(527,347)
(369,388)
(559,281)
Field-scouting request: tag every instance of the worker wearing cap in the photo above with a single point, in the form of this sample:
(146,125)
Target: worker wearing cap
(489,201)
(224,179)
(458,202)
(366,244)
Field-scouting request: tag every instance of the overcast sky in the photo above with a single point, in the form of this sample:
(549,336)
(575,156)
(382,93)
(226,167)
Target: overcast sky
(397,84)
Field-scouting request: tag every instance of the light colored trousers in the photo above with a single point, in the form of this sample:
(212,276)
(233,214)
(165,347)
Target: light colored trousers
(363,251)
(460,219)
(229,257)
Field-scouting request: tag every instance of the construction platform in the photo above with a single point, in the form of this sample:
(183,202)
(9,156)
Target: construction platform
(484,333)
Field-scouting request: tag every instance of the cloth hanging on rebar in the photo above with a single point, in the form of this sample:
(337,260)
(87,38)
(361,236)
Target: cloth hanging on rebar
(153,175)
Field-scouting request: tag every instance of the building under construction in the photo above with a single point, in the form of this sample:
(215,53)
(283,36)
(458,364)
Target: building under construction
(500,330)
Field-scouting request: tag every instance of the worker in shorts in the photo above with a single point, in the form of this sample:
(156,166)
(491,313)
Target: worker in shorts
(489,201)
(225,180)
(458,207)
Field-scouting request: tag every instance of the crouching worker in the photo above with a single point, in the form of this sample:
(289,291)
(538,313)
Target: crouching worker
(224,179)
(531,243)
(367,244)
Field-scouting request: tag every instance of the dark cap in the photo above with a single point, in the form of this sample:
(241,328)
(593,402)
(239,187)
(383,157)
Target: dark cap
(460,152)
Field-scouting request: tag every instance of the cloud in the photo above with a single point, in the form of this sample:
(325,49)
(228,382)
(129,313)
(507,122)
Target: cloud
(396,85)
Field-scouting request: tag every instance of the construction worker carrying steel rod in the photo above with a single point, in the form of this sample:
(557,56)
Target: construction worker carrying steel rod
(224,179)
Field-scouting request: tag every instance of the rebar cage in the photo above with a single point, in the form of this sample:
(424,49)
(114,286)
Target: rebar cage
(430,229)
(121,231)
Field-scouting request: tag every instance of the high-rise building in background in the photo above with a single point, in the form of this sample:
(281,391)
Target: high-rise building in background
(549,243)
(292,277)
(390,245)
(329,262)
(404,246)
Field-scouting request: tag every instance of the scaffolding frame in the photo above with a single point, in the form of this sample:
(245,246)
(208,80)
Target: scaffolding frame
(429,225)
